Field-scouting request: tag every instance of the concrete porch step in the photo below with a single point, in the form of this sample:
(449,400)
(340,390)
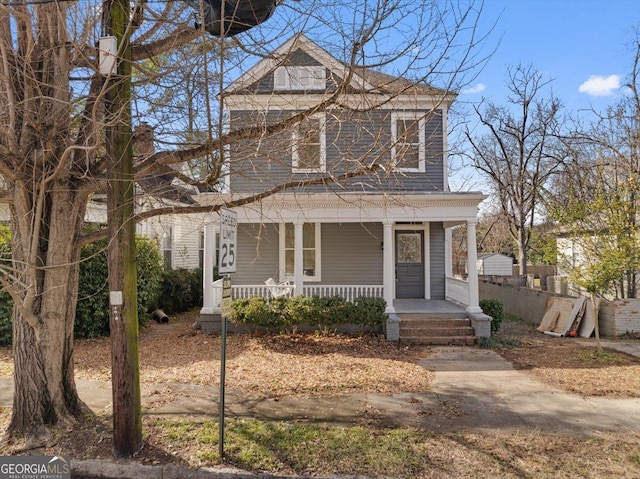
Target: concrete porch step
(429,323)
(433,315)
(436,331)
(440,340)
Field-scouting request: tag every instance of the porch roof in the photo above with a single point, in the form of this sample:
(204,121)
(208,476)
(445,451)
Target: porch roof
(452,208)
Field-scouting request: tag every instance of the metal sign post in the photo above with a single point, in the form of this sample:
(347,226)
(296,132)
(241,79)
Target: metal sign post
(226,306)
(227,264)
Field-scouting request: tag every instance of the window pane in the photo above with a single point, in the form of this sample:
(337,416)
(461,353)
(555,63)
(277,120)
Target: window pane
(309,235)
(409,248)
(407,131)
(309,262)
(288,262)
(308,144)
(410,157)
(308,156)
(288,235)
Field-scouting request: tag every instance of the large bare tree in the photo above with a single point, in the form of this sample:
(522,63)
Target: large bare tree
(52,104)
(519,150)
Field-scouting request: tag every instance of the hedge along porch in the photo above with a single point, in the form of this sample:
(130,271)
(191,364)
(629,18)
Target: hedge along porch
(395,247)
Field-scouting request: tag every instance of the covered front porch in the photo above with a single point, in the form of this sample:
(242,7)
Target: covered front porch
(354,249)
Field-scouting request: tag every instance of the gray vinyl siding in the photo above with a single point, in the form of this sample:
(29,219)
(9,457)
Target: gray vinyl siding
(436,253)
(354,137)
(352,253)
(257,254)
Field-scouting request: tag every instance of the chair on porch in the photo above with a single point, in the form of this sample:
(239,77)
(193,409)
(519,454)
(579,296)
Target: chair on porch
(279,289)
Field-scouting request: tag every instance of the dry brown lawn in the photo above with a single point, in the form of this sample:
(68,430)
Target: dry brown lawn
(323,365)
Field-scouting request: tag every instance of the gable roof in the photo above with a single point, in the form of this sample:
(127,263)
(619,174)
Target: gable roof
(364,79)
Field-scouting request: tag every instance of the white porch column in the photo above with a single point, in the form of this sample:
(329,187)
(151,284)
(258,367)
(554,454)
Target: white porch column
(298,258)
(448,254)
(472,269)
(209,262)
(388,269)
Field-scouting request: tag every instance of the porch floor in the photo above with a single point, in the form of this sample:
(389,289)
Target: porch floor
(438,307)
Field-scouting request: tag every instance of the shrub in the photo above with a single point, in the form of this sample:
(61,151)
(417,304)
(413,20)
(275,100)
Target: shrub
(368,312)
(495,309)
(181,290)
(260,312)
(280,314)
(92,315)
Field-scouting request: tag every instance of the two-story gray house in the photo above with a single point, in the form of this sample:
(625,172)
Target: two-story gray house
(377,217)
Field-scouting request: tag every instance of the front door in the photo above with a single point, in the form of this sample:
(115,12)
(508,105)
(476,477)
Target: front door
(409,264)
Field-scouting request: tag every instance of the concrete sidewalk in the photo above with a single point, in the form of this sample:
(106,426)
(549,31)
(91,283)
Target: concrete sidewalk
(474,389)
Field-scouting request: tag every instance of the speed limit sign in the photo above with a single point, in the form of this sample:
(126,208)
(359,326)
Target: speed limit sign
(228,237)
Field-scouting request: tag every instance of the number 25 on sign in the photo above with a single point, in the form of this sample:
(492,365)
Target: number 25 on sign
(228,237)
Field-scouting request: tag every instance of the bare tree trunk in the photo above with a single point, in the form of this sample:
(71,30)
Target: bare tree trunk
(45,392)
(522,251)
(595,302)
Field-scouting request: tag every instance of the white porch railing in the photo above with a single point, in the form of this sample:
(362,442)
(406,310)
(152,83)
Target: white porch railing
(457,290)
(349,292)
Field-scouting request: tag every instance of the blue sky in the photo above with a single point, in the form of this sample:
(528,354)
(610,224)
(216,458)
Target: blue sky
(583,45)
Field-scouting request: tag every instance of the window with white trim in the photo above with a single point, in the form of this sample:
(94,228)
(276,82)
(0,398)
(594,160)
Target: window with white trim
(201,250)
(310,251)
(167,248)
(309,145)
(408,136)
(299,78)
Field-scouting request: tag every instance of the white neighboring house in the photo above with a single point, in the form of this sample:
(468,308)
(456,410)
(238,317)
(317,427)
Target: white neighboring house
(180,237)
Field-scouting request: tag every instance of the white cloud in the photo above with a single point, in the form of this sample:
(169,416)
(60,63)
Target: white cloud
(480,87)
(598,85)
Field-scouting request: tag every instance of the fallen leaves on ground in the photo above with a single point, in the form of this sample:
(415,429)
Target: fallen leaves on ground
(266,365)
(573,364)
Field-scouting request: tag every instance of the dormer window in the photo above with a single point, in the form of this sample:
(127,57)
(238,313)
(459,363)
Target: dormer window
(300,78)
(408,134)
(309,145)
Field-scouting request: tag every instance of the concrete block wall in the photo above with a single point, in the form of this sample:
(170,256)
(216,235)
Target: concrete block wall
(615,318)
(620,317)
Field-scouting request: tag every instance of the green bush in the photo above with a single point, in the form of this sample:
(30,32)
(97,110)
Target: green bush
(260,312)
(281,314)
(181,290)
(368,312)
(6,309)
(495,309)
(6,303)
(92,315)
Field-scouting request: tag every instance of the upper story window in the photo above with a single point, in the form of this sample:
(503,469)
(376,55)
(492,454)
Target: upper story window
(309,145)
(408,137)
(300,78)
